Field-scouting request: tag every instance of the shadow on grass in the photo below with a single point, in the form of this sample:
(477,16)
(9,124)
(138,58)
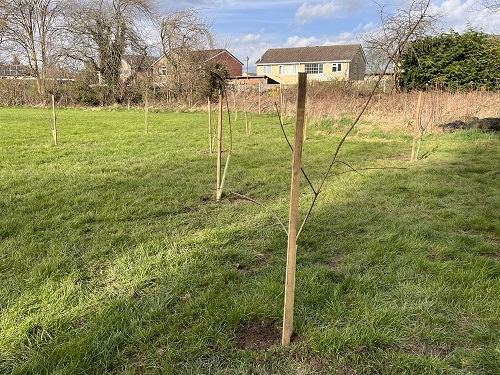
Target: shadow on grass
(396,272)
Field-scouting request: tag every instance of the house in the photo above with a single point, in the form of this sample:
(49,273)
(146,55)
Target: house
(11,71)
(205,57)
(343,62)
(133,66)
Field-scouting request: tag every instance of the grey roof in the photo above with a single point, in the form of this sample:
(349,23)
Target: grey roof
(209,54)
(343,52)
(139,61)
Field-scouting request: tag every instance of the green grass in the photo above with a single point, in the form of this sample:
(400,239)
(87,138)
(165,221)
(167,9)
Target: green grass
(115,258)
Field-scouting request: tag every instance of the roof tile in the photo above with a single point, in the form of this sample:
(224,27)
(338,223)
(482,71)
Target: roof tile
(309,54)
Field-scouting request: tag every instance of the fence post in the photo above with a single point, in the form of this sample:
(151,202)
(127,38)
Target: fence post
(146,112)
(417,125)
(293,215)
(219,147)
(210,144)
(54,120)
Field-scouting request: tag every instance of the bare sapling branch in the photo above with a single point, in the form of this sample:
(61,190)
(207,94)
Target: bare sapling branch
(245,197)
(291,147)
(400,45)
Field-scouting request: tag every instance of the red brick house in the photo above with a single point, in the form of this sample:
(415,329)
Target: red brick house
(133,66)
(213,56)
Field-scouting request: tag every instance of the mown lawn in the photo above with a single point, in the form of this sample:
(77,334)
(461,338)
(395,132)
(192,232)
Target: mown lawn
(115,257)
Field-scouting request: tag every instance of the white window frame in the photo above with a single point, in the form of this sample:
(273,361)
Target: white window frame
(162,71)
(313,68)
(336,67)
(267,69)
(284,70)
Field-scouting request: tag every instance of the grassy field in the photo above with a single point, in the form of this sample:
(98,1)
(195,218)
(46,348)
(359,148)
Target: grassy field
(115,257)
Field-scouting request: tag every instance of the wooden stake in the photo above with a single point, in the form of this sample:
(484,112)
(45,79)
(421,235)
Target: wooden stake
(54,120)
(417,124)
(246,115)
(234,105)
(223,177)
(260,109)
(146,112)
(281,100)
(219,147)
(210,144)
(294,209)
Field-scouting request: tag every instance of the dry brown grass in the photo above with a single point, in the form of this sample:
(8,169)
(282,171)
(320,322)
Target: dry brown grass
(392,110)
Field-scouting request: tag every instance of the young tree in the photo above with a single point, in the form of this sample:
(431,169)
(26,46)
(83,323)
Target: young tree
(28,27)
(492,5)
(184,35)
(100,32)
(395,26)
(3,23)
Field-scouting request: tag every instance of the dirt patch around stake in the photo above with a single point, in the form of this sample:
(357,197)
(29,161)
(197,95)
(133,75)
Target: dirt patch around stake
(258,335)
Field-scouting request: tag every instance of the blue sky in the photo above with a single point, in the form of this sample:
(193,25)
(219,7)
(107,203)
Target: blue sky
(249,28)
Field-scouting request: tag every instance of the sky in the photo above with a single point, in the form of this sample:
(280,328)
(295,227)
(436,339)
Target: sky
(247,28)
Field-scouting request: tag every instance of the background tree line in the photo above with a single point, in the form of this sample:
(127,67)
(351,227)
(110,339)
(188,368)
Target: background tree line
(92,36)
(452,62)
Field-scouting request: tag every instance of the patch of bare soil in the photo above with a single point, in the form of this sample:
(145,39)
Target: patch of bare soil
(250,269)
(258,335)
(399,157)
(418,348)
(334,262)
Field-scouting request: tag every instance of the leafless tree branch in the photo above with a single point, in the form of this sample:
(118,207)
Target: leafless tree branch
(414,24)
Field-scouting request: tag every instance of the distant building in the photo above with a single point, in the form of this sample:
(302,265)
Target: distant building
(160,67)
(324,63)
(134,65)
(11,71)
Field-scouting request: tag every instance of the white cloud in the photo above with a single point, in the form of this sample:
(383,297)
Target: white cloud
(309,12)
(459,15)
(342,38)
(297,41)
(250,38)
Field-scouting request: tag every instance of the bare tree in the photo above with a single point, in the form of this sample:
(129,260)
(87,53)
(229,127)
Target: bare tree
(100,32)
(3,23)
(28,28)
(493,5)
(395,27)
(184,34)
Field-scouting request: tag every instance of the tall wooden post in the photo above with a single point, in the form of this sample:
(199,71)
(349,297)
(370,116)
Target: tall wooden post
(54,120)
(246,114)
(234,104)
(219,147)
(417,125)
(281,100)
(146,112)
(210,144)
(294,209)
(260,94)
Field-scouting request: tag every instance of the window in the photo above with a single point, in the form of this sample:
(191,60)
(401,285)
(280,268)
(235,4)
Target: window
(267,69)
(162,71)
(287,70)
(314,68)
(336,67)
